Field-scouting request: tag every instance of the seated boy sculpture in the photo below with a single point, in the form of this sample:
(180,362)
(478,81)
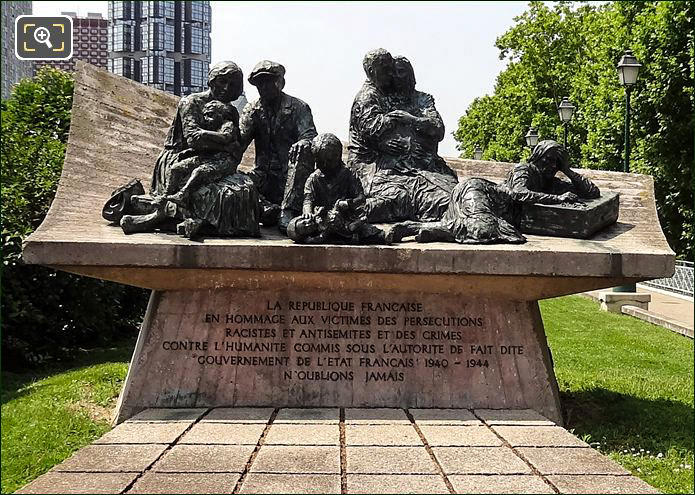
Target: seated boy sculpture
(333,202)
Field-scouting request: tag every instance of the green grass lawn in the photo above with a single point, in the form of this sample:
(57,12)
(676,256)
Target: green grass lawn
(627,388)
(48,416)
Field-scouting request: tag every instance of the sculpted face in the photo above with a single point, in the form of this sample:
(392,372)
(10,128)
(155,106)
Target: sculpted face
(305,227)
(269,87)
(213,114)
(227,87)
(327,150)
(381,72)
(550,164)
(403,75)
(327,162)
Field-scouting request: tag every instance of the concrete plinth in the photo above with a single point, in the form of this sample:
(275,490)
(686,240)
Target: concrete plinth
(309,348)
(614,301)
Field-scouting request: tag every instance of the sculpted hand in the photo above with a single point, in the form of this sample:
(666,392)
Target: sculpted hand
(298,148)
(568,197)
(197,135)
(306,216)
(396,145)
(402,116)
(342,205)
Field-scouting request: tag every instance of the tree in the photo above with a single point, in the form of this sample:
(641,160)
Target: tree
(569,50)
(47,314)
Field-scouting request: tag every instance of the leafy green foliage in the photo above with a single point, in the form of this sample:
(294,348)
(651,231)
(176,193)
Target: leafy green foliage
(568,50)
(47,314)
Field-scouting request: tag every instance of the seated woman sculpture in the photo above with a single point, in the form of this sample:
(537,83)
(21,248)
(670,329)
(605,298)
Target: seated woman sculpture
(482,212)
(394,135)
(195,185)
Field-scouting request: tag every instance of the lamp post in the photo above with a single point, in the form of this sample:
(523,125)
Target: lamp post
(477,152)
(531,138)
(565,109)
(628,70)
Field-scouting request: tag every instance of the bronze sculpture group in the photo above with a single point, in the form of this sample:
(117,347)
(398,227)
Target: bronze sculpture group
(394,184)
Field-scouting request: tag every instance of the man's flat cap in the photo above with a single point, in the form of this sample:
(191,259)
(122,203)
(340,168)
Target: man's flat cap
(266,68)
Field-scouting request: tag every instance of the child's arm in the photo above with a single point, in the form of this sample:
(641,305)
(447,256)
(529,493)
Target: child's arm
(309,197)
(356,195)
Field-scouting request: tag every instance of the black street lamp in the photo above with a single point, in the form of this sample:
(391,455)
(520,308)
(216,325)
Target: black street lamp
(477,152)
(531,138)
(565,110)
(628,70)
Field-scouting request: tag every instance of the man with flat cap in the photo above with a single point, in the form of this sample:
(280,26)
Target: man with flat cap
(281,127)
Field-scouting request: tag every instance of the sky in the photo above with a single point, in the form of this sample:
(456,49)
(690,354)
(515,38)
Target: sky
(321,45)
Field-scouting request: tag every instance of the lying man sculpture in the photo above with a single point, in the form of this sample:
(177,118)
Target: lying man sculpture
(482,212)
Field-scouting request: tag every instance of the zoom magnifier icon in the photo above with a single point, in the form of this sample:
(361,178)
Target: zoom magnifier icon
(43,35)
(43,38)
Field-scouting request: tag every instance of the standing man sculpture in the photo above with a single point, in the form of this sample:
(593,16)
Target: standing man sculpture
(282,128)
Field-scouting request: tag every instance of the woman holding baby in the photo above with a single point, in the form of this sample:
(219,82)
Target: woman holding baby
(195,183)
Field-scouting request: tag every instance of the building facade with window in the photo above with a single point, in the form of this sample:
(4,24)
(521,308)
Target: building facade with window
(89,43)
(13,69)
(164,44)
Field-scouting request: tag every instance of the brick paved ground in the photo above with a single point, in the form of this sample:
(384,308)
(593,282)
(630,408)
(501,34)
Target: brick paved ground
(259,450)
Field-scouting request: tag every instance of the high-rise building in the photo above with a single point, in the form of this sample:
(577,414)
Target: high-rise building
(89,43)
(164,44)
(13,69)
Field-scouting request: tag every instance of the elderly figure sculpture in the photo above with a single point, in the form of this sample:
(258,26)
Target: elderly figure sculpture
(281,127)
(482,212)
(195,185)
(394,135)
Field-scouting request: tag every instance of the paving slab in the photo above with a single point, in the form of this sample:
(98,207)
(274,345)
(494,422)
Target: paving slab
(205,459)
(376,416)
(224,433)
(389,460)
(168,415)
(112,458)
(460,436)
(68,483)
(319,415)
(538,436)
(186,483)
(444,417)
(297,459)
(395,483)
(513,417)
(239,415)
(141,432)
(480,460)
(563,460)
(503,483)
(291,483)
(600,484)
(382,435)
(296,434)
